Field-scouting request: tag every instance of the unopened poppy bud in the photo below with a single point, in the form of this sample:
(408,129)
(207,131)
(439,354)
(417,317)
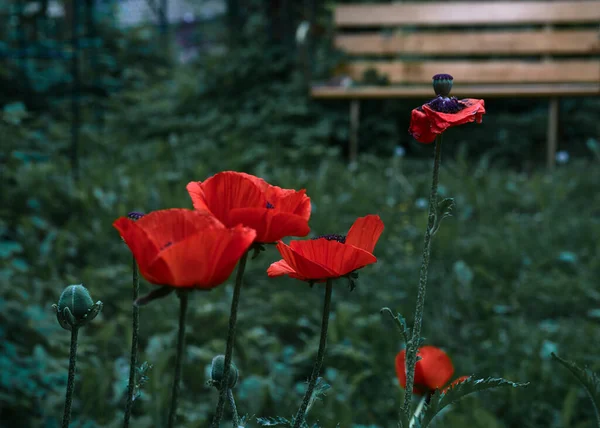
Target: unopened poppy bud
(442,84)
(75,307)
(216,371)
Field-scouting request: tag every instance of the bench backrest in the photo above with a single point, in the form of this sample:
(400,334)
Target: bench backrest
(484,42)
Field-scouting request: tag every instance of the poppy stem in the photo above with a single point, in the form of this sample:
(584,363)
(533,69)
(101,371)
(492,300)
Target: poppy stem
(134,344)
(299,419)
(71,378)
(236,418)
(183,303)
(230,339)
(413,344)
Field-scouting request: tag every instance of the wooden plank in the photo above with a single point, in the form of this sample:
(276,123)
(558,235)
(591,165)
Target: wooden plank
(460,91)
(467,13)
(510,71)
(472,43)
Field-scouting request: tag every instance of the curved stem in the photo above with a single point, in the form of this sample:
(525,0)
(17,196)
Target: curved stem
(412,347)
(71,379)
(320,356)
(236,418)
(134,345)
(183,301)
(230,339)
(418,411)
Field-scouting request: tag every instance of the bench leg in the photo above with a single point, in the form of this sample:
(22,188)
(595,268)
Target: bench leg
(354,120)
(552,141)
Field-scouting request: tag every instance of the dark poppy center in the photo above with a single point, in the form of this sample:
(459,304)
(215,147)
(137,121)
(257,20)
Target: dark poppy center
(333,237)
(134,215)
(270,206)
(445,105)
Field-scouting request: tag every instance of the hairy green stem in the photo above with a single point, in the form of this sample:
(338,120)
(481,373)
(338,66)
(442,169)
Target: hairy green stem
(183,303)
(71,379)
(230,339)
(320,356)
(412,347)
(236,418)
(134,344)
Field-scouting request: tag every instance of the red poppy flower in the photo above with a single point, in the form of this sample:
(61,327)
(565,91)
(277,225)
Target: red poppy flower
(432,371)
(239,198)
(184,248)
(433,118)
(330,256)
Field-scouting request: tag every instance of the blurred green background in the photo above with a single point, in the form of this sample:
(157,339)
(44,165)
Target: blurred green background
(220,86)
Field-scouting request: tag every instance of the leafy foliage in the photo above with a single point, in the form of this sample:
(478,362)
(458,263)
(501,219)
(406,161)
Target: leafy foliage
(587,378)
(441,400)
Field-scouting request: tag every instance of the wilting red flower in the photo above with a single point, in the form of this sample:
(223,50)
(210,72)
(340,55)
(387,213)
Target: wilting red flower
(432,371)
(330,256)
(239,198)
(433,118)
(184,248)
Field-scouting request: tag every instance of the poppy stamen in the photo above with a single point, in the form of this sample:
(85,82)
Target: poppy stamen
(446,105)
(135,215)
(333,237)
(270,206)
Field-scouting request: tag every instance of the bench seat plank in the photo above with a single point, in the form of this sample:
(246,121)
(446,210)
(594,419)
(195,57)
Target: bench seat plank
(460,91)
(448,43)
(482,71)
(466,13)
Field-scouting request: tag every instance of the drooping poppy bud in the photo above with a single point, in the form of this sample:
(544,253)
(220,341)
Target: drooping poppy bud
(217,369)
(75,307)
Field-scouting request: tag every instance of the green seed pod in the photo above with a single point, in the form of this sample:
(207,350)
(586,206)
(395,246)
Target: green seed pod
(75,307)
(442,84)
(216,372)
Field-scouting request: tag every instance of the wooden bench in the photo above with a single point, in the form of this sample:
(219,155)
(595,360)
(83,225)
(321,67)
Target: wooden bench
(492,48)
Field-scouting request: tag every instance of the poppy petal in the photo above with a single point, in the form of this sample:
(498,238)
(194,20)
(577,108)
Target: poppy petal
(365,232)
(295,203)
(439,122)
(338,258)
(143,248)
(301,265)
(205,259)
(420,127)
(280,268)
(224,192)
(270,225)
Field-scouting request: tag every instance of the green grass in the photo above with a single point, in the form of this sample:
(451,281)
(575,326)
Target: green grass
(513,277)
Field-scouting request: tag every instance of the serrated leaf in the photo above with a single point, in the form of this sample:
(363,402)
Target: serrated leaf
(271,422)
(589,380)
(441,400)
(443,210)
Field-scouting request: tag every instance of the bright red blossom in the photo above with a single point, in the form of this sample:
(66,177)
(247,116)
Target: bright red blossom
(426,123)
(432,371)
(330,256)
(184,248)
(239,198)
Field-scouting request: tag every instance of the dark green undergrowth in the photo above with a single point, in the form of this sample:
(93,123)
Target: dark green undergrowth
(514,277)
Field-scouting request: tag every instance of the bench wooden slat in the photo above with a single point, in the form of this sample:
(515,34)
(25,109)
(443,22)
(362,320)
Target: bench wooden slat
(460,91)
(467,13)
(534,42)
(509,71)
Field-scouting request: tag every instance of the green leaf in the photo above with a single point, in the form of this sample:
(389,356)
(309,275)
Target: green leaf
(440,400)
(443,210)
(589,380)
